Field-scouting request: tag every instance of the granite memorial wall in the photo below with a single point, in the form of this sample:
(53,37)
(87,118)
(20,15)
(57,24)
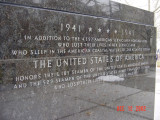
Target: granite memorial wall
(51,47)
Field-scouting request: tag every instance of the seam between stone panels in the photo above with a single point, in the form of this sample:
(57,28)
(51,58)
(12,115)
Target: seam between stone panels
(40,58)
(69,12)
(131,22)
(77,112)
(123,97)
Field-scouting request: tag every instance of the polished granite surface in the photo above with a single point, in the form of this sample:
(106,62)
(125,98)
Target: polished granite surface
(75,60)
(101,8)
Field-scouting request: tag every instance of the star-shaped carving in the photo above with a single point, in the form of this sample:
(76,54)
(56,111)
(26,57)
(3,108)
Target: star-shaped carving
(99,29)
(126,31)
(115,31)
(108,30)
(90,29)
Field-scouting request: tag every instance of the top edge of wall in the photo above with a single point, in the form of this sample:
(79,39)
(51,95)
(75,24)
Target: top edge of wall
(102,8)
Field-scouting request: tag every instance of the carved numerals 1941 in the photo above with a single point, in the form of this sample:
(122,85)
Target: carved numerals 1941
(68,27)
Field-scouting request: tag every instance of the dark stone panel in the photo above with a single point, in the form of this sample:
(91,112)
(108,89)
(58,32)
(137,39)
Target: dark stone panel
(116,48)
(21,74)
(89,7)
(35,33)
(56,81)
(132,14)
(103,8)
(19,22)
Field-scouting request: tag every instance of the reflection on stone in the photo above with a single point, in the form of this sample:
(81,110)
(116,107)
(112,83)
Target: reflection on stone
(59,59)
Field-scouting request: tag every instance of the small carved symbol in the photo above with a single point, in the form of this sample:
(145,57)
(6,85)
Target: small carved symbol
(99,29)
(108,30)
(90,29)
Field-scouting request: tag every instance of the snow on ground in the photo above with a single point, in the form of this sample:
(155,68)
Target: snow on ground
(110,78)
